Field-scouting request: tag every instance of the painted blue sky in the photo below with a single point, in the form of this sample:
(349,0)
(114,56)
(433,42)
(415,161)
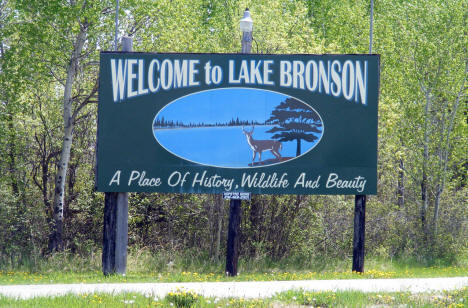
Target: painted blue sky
(222,105)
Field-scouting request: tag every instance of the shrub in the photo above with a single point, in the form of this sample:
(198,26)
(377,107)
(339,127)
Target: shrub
(182,298)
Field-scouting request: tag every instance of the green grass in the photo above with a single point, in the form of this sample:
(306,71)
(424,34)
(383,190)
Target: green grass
(182,298)
(145,267)
(19,277)
(458,298)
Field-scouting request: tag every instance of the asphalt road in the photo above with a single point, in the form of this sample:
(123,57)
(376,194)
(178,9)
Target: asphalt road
(256,289)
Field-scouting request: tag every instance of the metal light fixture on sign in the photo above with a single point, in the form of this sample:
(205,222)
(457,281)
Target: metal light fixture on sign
(246,23)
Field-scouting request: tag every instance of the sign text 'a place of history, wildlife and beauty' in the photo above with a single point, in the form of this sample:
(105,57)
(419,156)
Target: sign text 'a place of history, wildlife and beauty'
(231,123)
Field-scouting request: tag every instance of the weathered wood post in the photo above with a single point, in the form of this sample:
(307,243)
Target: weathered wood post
(115,233)
(359,232)
(232,249)
(360,200)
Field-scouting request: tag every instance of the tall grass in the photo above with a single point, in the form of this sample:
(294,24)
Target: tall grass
(144,260)
(165,266)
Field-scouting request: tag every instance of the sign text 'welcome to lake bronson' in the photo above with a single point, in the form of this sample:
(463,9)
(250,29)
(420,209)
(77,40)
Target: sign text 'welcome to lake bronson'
(219,123)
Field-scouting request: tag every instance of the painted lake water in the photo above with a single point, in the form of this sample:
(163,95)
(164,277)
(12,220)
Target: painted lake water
(224,146)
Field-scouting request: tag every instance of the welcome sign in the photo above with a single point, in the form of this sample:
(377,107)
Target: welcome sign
(227,123)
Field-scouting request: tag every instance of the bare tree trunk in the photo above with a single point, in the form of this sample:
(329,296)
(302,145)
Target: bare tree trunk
(424,196)
(11,139)
(55,238)
(45,190)
(211,223)
(436,209)
(254,217)
(445,153)
(12,156)
(220,209)
(401,184)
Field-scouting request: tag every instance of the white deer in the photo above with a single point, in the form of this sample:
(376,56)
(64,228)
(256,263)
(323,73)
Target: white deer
(258,146)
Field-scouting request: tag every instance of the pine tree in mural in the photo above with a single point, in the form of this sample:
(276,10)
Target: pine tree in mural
(293,120)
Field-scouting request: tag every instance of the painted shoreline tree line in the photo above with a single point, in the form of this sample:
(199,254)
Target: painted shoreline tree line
(292,120)
(161,123)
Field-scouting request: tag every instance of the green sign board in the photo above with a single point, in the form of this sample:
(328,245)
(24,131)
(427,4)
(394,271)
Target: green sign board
(220,123)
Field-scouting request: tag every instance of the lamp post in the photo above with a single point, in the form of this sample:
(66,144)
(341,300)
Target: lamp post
(232,247)
(246,26)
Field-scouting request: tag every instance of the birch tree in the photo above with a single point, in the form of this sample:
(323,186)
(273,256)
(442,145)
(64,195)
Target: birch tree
(64,38)
(432,52)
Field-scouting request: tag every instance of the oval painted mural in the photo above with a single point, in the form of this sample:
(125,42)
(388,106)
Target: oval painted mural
(238,128)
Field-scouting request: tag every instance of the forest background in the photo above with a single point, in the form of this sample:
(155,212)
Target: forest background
(49,55)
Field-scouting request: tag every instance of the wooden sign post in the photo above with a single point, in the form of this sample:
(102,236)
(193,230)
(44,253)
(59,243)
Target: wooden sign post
(359,233)
(360,200)
(115,233)
(232,248)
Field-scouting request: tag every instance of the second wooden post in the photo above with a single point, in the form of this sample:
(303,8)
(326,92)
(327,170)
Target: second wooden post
(233,242)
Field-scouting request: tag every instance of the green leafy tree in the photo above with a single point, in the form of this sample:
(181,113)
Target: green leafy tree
(64,38)
(294,121)
(432,65)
